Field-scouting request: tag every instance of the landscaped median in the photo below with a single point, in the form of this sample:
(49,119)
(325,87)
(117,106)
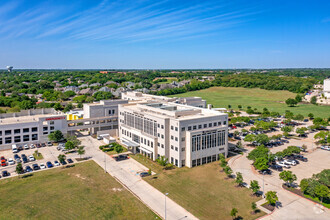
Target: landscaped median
(204,191)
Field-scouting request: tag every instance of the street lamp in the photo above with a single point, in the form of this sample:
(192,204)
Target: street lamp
(165,204)
(263,183)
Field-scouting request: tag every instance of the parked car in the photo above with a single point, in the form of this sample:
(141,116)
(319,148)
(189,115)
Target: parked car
(3,163)
(24,158)
(43,145)
(38,145)
(49,164)
(11,161)
(49,143)
(32,146)
(5,173)
(266,171)
(31,158)
(282,164)
(56,163)
(28,169)
(143,174)
(17,158)
(276,167)
(26,147)
(324,147)
(42,166)
(70,160)
(20,147)
(121,157)
(290,162)
(35,167)
(2,158)
(301,157)
(63,162)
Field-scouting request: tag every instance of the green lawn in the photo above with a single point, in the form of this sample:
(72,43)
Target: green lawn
(274,100)
(81,192)
(114,152)
(204,191)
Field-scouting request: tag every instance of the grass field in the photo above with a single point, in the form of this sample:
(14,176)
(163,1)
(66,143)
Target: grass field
(80,192)
(274,100)
(202,190)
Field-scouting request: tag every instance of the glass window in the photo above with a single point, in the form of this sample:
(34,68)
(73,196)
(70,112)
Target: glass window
(45,128)
(176,128)
(7,132)
(26,138)
(34,137)
(189,128)
(26,130)
(51,122)
(205,125)
(0,140)
(194,127)
(17,139)
(8,140)
(17,131)
(34,129)
(199,126)
(51,127)
(183,128)
(171,127)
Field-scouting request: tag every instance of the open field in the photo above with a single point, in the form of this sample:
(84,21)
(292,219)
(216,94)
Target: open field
(81,192)
(203,190)
(274,100)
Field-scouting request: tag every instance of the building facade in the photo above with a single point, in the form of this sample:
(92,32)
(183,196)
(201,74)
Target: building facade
(186,135)
(326,88)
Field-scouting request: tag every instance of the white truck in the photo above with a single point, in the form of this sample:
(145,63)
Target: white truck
(14,148)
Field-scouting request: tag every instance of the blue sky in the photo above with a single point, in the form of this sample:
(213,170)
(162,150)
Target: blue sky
(150,34)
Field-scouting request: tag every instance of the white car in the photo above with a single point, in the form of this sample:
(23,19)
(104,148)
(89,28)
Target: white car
(42,166)
(324,147)
(290,162)
(11,161)
(32,146)
(56,163)
(26,147)
(31,158)
(281,163)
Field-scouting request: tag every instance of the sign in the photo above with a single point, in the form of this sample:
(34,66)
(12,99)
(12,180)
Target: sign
(55,118)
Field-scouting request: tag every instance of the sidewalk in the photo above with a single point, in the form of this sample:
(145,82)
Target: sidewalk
(126,173)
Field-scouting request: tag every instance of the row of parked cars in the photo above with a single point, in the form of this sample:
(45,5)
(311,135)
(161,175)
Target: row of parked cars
(16,148)
(287,162)
(17,159)
(325,147)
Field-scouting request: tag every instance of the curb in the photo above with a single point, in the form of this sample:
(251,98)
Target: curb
(315,203)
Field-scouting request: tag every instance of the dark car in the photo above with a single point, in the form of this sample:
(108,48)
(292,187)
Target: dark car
(38,145)
(16,156)
(70,160)
(28,169)
(24,158)
(266,171)
(35,167)
(276,167)
(237,138)
(63,162)
(43,145)
(121,157)
(49,164)
(143,174)
(5,173)
(301,157)
(20,147)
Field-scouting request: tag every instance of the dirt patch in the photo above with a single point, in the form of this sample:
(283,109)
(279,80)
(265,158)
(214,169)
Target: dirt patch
(117,189)
(79,176)
(268,206)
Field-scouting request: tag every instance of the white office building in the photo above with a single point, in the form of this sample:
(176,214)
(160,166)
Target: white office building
(326,88)
(29,126)
(186,135)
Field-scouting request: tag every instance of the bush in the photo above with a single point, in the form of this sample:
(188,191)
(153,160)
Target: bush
(169,166)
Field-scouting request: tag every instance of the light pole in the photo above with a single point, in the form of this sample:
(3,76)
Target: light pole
(105,163)
(165,204)
(263,184)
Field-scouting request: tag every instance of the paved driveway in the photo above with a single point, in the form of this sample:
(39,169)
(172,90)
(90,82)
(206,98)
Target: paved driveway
(293,206)
(126,173)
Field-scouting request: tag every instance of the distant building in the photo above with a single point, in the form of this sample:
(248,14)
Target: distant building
(326,88)
(10,68)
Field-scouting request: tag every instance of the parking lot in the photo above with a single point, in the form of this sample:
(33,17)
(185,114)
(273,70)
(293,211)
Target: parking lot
(49,153)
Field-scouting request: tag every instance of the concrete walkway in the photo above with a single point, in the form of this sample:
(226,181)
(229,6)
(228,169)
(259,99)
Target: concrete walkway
(126,172)
(291,205)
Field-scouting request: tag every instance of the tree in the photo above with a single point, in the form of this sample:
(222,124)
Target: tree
(61,158)
(119,149)
(322,192)
(274,114)
(287,129)
(19,168)
(288,177)
(239,107)
(291,102)
(288,114)
(261,163)
(301,131)
(233,213)
(58,106)
(162,161)
(76,142)
(271,197)
(314,100)
(102,95)
(311,115)
(323,177)
(81,151)
(259,152)
(254,186)
(303,185)
(299,117)
(298,98)
(56,136)
(69,145)
(80,105)
(239,179)
(262,139)
(254,206)
(228,171)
